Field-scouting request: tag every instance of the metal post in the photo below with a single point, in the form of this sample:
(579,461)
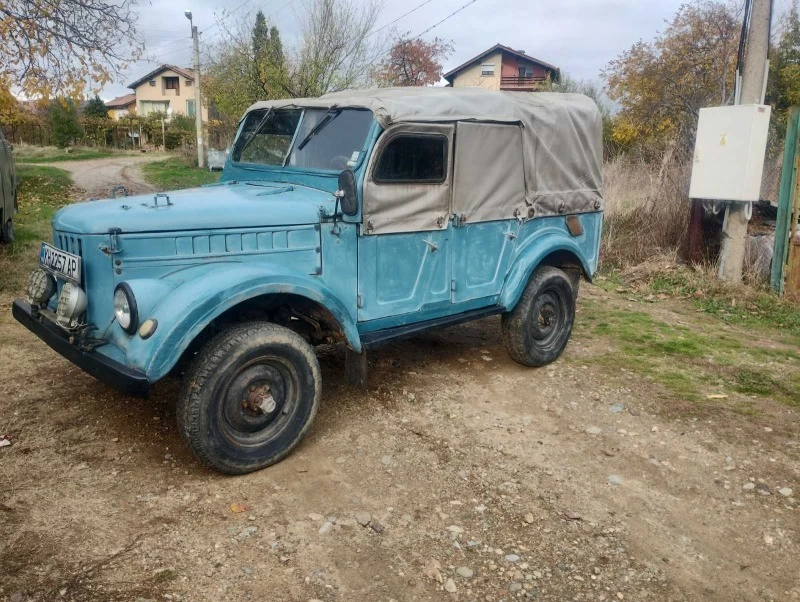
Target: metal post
(198,113)
(754,73)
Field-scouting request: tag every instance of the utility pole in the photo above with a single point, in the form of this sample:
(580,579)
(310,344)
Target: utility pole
(754,75)
(198,113)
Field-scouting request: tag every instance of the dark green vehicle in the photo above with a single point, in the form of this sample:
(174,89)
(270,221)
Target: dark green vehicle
(8,190)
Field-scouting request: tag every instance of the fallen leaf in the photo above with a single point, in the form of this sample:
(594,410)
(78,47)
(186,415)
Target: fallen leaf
(237,507)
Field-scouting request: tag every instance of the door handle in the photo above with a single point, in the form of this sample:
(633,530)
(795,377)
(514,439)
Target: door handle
(432,245)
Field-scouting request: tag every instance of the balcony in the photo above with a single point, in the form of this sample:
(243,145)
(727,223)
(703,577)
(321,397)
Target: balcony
(520,83)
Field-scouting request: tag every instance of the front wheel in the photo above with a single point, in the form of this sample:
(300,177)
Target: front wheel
(536,331)
(249,397)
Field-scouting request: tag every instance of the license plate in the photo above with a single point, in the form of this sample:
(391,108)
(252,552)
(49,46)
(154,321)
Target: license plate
(60,263)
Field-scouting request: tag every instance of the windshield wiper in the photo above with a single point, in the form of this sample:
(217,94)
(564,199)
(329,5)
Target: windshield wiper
(329,116)
(257,129)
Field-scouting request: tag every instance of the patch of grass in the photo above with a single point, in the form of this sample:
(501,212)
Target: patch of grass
(42,191)
(25,153)
(692,361)
(175,173)
(734,304)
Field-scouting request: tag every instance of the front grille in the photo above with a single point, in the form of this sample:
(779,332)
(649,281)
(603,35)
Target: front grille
(69,243)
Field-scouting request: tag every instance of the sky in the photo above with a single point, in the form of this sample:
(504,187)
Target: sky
(579,36)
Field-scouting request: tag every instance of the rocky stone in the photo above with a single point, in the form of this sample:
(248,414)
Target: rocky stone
(450,586)
(376,526)
(512,558)
(465,572)
(386,460)
(594,430)
(514,587)
(617,408)
(455,529)
(247,570)
(614,480)
(246,532)
(326,528)
(762,488)
(571,515)
(315,517)
(785,491)
(433,571)
(749,486)
(363,518)
(529,518)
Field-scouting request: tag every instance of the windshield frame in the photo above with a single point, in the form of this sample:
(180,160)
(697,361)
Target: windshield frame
(266,167)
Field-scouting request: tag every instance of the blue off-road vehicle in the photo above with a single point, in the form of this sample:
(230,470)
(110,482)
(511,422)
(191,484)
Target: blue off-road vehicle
(354,218)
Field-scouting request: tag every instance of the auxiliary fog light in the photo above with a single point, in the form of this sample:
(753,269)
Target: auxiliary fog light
(41,286)
(71,304)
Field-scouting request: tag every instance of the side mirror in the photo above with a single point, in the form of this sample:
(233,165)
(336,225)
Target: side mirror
(348,193)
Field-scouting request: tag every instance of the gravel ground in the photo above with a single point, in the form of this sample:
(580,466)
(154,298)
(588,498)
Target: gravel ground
(458,475)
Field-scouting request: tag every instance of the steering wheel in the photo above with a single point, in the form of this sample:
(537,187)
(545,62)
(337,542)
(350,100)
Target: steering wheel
(339,162)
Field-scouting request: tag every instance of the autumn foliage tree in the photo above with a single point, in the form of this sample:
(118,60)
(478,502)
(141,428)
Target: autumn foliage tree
(661,86)
(413,62)
(59,47)
(784,74)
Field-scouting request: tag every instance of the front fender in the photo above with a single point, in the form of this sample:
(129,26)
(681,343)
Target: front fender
(532,251)
(191,306)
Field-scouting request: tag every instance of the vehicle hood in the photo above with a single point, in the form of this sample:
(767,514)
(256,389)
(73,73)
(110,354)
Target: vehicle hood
(228,205)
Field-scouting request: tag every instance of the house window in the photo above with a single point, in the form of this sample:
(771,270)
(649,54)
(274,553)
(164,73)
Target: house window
(171,83)
(526,71)
(152,82)
(419,158)
(190,108)
(487,70)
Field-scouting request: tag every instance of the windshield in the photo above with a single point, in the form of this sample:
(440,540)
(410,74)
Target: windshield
(309,138)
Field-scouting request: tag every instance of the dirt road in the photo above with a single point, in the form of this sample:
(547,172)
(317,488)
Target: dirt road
(458,475)
(97,177)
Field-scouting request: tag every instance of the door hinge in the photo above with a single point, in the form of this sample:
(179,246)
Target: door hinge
(360,301)
(453,285)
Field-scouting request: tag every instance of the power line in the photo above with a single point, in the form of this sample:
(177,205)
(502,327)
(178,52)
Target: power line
(227,16)
(400,17)
(454,13)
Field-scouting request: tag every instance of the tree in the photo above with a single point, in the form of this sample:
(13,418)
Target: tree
(337,47)
(413,62)
(250,63)
(247,65)
(661,86)
(64,122)
(95,109)
(56,47)
(783,91)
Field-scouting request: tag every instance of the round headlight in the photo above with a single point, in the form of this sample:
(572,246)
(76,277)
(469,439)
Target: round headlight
(71,303)
(125,308)
(41,286)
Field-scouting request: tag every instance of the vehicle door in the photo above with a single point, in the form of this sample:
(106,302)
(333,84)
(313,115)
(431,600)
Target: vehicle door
(404,245)
(488,202)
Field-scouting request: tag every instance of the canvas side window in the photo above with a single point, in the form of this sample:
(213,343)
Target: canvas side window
(413,158)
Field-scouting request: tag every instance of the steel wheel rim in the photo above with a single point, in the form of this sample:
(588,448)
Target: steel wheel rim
(547,315)
(257,402)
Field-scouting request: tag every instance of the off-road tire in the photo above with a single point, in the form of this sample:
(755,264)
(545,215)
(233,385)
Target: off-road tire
(243,358)
(7,232)
(536,331)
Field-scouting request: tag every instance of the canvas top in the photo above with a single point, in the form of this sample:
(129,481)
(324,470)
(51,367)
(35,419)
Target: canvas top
(562,150)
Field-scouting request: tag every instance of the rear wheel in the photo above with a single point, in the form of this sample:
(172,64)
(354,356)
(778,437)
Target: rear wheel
(249,397)
(536,331)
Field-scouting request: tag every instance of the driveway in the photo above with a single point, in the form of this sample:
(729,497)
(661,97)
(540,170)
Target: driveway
(97,177)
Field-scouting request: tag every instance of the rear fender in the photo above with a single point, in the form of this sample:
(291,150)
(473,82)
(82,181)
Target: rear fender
(531,253)
(204,294)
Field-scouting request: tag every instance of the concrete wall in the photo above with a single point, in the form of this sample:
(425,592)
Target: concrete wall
(176,99)
(471,76)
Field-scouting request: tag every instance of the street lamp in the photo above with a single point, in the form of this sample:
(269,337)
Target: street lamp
(198,114)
